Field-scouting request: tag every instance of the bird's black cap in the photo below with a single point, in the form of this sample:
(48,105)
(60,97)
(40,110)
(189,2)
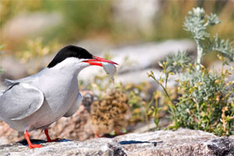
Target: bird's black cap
(70,51)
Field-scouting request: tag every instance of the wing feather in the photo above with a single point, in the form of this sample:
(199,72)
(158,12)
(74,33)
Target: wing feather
(20,101)
(74,107)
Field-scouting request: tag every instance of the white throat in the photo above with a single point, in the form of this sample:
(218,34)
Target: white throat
(70,65)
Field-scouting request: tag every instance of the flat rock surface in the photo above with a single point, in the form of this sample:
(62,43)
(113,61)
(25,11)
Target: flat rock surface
(180,142)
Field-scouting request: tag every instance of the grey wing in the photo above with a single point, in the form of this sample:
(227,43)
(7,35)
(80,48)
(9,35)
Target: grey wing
(10,83)
(74,107)
(20,101)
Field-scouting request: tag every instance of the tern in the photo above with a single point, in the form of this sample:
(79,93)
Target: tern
(36,101)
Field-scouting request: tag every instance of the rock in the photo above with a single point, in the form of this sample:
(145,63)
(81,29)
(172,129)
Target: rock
(181,142)
(101,146)
(136,77)
(222,146)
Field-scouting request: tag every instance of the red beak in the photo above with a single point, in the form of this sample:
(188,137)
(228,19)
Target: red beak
(97,61)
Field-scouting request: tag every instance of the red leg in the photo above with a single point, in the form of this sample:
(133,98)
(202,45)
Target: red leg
(30,145)
(48,137)
(96,134)
(118,132)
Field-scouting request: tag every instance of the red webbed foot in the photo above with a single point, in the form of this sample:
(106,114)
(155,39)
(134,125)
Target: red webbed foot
(30,145)
(34,146)
(48,137)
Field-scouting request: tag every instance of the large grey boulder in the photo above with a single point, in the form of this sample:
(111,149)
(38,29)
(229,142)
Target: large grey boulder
(180,143)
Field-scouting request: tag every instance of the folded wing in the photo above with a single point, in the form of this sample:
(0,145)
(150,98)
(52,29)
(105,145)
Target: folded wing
(19,101)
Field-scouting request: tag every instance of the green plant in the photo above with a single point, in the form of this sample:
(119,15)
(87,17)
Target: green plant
(153,109)
(204,94)
(138,100)
(204,97)
(196,23)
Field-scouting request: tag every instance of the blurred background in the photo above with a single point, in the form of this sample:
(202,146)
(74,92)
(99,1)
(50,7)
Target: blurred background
(31,30)
(103,23)
(137,34)
(113,22)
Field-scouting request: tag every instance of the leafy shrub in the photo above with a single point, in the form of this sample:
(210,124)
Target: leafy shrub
(136,93)
(139,99)
(205,97)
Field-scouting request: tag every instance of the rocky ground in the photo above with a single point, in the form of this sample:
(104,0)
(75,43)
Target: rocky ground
(180,143)
(77,138)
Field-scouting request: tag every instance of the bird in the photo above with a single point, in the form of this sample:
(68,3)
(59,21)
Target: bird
(110,114)
(36,101)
